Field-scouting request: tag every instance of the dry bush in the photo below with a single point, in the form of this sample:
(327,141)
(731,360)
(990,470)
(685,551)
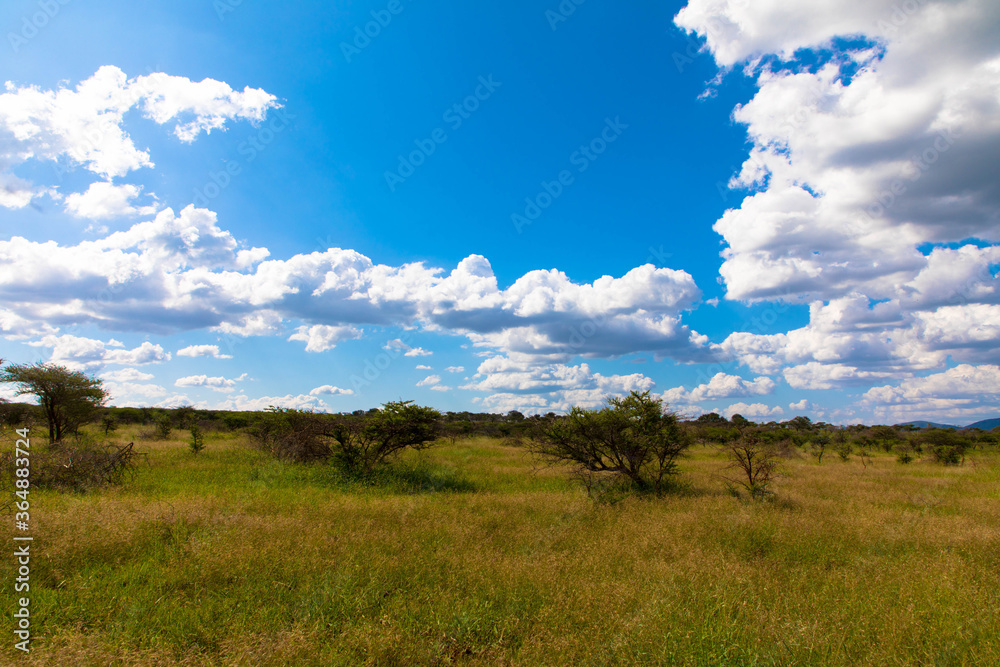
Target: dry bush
(755,462)
(292,435)
(72,466)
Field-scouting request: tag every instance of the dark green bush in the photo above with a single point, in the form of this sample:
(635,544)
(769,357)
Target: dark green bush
(633,437)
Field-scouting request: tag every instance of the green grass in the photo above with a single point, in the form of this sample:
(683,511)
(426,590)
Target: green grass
(473,553)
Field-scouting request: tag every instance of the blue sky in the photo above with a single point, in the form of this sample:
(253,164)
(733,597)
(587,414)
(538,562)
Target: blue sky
(524,206)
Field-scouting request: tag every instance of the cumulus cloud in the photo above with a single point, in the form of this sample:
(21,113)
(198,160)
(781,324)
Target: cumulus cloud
(79,353)
(855,163)
(84,126)
(759,410)
(219,384)
(429,380)
(126,375)
(137,394)
(423,367)
(519,382)
(104,200)
(242,402)
(202,351)
(455,369)
(330,390)
(870,169)
(962,391)
(322,337)
(181,271)
(722,385)
(814,375)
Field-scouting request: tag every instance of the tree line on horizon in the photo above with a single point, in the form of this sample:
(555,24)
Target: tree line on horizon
(632,441)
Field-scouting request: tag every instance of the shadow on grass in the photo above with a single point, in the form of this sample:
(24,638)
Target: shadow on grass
(410,478)
(612,489)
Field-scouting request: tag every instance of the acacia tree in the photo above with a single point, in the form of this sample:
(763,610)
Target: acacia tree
(362,443)
(755,461)
(632,436)
(69,398)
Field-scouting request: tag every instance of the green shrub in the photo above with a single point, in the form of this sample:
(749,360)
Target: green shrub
(292,435)
(632,436)
(362,443)
(164,427)
(844,450)
(944,446)
(197,442)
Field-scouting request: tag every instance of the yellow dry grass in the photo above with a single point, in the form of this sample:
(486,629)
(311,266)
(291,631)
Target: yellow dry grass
(476,555)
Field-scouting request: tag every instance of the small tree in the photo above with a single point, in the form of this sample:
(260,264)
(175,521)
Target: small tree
(755,461)
(800,423)
(109,423)
(362,443)
(885,436)
(293,435)
(944,445)
(197,442)
(843,446)
(69,398)
(164,426)
(818,445)
(632,436)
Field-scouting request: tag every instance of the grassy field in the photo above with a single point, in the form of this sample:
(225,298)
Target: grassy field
(469,553)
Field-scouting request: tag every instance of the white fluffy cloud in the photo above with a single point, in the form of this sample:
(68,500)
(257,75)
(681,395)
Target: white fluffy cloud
(220,384)
(181,271)
(429,381)
(964,390)
(78,353)
(322,337)
(886,146)
(330,390)
(748,410)
(126,375)
(202,351)
(85,126)
(104,200)
(722,385)
(519,382)
(242,402)
(867,176)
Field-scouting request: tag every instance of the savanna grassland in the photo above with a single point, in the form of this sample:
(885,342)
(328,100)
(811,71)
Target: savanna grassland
(471,552)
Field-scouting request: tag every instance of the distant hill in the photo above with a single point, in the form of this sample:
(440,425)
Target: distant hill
(986,424)
(923,424)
